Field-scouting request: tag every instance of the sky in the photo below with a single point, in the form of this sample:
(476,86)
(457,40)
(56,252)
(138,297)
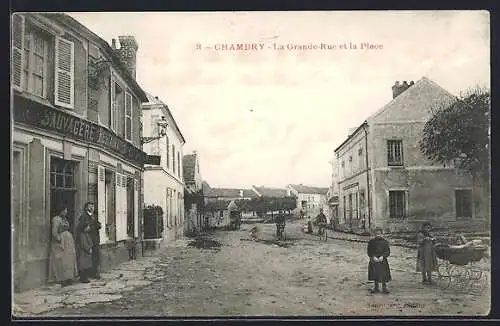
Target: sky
(274,116)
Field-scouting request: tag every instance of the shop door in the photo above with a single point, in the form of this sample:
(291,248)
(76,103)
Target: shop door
(62,188)
(16,202)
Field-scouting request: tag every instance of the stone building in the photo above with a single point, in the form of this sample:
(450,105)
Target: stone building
(75,138)
(193,193)
(384,180)
(310,200)
(164,180)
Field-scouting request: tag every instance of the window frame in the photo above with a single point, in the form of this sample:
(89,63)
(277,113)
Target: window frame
(390,150)
(456,203)
(128,116)
(404,193)
(30,33)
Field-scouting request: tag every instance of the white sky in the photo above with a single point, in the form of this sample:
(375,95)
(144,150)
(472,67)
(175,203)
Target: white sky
(303,102)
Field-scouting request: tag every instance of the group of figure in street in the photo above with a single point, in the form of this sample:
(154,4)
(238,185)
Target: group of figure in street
(70,256)
(378,251)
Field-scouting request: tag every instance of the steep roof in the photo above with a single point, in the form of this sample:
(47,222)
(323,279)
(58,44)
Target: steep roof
(309,190)
(75,24)
(189,167)
(421,97)
(271,192)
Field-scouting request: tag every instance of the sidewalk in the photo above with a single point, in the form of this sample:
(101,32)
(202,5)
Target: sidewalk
(125,277)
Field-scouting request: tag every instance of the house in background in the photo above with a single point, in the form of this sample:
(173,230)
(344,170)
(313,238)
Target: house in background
(193,198)
(310,200)
(76,138)
(218,199)
(163,177)
(385,181)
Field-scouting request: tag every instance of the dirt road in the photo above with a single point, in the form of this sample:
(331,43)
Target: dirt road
(304,278)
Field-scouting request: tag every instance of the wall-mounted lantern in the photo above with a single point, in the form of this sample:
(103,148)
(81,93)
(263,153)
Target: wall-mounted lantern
(162,132)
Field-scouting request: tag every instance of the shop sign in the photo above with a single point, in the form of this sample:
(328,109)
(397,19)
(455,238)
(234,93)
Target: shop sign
(51,119)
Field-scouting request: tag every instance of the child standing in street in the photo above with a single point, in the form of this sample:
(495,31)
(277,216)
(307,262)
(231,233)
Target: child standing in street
(378,268)
(85,253)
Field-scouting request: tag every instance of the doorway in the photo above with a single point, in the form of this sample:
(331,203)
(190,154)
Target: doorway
(130,207)
(63,188)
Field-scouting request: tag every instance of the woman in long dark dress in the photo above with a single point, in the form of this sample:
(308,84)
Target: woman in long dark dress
(62,261)
(426,255)
(378,268)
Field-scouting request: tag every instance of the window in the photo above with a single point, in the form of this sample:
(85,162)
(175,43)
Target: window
(397,204)
(178,164)
(62,174)
(116,94)
(345,208)
(128,116)
(173,158)
(167,143)
(463,203)
(35,62)
(394,152)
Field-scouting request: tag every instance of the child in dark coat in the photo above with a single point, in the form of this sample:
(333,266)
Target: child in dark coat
(85,253)
(378,268)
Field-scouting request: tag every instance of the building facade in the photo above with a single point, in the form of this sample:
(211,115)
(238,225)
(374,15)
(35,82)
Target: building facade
(163,180)
(75,138)
(384,180)
(193,190)
(310,200)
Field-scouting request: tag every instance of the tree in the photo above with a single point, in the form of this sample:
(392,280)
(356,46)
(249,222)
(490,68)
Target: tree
(460,133)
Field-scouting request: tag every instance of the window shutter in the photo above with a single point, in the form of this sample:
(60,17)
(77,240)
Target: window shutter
(17,51)
(101,203)
(124,207)
(65,73)
(128,116)
(112,104)
(118,206)
(136,209)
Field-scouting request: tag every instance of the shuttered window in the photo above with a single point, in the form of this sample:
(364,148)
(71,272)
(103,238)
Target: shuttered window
(17,51)
(173,158)
(64,73)
(128,116)
(178,164)
(167,143)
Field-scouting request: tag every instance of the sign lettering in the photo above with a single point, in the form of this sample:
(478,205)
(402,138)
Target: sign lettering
(47,118)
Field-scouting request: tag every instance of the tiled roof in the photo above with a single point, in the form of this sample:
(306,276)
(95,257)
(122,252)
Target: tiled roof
(188,167)
(271,192)
(229,193)
(309,190)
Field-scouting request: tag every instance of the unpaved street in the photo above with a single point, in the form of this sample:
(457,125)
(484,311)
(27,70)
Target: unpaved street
(309,277)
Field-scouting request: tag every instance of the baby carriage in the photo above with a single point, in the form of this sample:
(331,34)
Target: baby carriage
(457,266)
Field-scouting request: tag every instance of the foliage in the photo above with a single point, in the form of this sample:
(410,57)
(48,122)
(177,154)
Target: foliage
(262,205)
(194,198)
(460,134)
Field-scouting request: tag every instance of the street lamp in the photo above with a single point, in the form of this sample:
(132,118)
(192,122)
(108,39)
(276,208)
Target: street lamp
(162,132)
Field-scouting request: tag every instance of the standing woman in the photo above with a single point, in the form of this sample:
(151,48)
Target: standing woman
(62,262)
(426,256)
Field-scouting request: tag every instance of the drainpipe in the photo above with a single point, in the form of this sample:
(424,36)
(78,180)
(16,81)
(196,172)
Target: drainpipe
(367,177)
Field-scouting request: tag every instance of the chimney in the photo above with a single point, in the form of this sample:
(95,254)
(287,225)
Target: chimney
(241,193)
(399,88)
(128,53)
(113,44)
(195,152)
